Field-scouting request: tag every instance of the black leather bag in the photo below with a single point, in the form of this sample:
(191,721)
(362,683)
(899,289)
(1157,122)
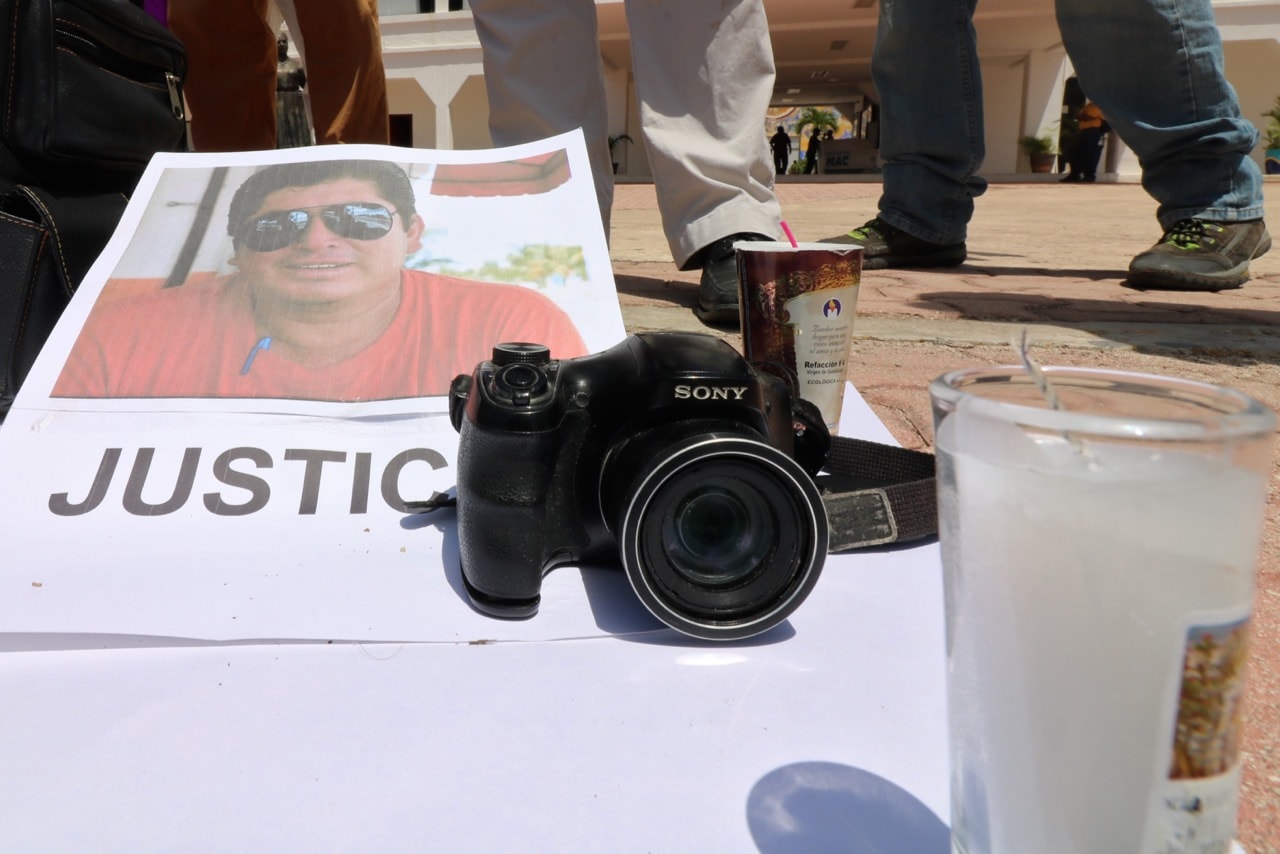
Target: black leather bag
(92,88)
(47,244)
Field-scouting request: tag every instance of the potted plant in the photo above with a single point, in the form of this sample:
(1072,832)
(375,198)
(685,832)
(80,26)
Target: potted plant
(1040,150)
(1271,139)
(1271,144)
(613,143)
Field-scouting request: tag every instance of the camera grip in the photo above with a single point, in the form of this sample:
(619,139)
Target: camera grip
(506,515)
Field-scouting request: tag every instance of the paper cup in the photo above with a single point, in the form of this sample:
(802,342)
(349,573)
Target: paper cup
(797,315)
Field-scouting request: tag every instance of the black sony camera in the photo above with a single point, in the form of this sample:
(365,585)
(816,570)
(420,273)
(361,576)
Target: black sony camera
(668,452)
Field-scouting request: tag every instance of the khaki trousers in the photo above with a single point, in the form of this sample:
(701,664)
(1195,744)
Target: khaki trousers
(231,81)
(703,75)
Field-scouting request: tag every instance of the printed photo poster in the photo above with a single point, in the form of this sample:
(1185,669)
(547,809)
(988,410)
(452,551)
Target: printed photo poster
(330,282)
(221,438)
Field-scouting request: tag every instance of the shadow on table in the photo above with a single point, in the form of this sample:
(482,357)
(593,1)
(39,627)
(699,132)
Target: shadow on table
(618,610)
(614,605)
(825,806)
(666,290)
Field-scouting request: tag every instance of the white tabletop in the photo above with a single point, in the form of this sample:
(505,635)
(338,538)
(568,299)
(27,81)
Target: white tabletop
(827,733)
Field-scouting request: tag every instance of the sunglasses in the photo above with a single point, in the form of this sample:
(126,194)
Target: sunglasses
(277,229)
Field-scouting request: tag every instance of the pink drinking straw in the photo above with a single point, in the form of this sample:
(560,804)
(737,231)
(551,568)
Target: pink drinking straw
(786,229)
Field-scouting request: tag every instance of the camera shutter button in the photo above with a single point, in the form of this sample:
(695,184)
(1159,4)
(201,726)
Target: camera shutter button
(519,382)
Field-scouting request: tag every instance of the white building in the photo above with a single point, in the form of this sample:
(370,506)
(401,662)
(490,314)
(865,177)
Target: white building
(822,49)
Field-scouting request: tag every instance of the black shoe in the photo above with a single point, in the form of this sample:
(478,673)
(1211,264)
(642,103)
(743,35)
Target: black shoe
(1070,178)
(884,246)
(718,288)
(1200,255)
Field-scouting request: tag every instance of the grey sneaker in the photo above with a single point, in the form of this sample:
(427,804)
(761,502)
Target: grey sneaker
(884,246)
(1200,255)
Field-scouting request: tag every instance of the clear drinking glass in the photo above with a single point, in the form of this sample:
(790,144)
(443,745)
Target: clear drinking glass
(1099,562)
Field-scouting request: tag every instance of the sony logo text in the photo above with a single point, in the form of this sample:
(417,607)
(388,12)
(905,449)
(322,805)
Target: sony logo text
(707,392)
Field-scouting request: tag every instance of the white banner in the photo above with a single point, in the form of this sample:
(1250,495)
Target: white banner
(218,440)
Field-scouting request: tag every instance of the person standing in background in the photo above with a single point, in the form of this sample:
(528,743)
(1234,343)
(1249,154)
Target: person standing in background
(780,142)
(293,127)
(704,77)
(1087,150)
(811,152)
(231,78)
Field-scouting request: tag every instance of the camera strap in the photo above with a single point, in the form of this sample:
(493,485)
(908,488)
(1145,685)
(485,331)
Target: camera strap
(877,494)
(874,494)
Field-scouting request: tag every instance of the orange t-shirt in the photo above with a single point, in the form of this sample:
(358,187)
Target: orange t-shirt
(201,340)
(1089,117)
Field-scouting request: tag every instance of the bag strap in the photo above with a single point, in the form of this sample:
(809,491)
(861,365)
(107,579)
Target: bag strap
(878,494)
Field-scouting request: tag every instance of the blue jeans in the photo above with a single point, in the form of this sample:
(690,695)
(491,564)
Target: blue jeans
(1154,68)
(931,128)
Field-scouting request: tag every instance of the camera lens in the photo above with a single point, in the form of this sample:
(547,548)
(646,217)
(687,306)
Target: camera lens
(722,536)
(716,534)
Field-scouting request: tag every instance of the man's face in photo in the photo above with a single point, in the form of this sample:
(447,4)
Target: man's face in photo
(325,246)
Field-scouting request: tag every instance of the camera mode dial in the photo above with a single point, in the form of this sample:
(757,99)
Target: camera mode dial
(520,374)
(519,353)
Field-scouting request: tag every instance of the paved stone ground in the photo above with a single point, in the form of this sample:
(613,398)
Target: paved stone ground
(1049,258)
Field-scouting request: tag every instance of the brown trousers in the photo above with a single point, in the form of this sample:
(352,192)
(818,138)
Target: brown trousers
(231,80)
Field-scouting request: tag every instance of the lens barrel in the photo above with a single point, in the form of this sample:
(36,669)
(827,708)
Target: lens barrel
(722,536)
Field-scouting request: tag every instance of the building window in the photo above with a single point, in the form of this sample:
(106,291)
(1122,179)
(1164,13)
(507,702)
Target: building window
(410,7)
